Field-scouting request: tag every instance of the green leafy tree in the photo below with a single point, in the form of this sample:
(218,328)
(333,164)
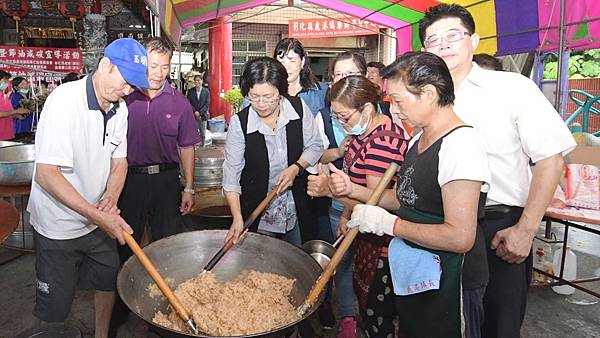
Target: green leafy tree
(582,65)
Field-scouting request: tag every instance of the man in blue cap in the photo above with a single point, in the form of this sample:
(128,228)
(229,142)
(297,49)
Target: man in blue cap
(80,168)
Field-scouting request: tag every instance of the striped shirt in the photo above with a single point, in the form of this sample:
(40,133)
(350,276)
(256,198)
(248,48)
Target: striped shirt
(373,160)
(376,156)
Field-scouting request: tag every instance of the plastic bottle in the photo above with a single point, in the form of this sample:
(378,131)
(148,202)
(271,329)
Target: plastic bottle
(569,272)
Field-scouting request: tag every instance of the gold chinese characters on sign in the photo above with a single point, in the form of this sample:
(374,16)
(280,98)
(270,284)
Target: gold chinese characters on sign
(49,33)
(133,35)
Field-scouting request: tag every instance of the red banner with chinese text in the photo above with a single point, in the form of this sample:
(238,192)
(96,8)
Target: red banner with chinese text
(36,62)
(328,28)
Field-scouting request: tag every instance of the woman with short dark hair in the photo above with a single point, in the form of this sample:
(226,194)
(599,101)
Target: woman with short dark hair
(264,70)
(269,144)
(441,188)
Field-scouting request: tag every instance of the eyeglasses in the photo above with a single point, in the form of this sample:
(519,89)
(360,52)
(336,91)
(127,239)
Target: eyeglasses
(343,116)
(343,75)
(450,37)
(264,99)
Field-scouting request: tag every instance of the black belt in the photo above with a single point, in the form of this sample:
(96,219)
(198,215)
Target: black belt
(153,169)
(500,211)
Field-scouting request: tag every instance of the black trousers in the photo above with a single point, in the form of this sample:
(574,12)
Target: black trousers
(505,297)
(153,200)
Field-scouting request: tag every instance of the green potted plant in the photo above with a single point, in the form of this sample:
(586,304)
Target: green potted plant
(234,97)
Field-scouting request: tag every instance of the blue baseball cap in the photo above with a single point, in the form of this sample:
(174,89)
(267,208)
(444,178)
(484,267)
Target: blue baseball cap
(131,59)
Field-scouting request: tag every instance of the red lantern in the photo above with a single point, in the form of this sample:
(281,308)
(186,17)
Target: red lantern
(72,9)
(16,9)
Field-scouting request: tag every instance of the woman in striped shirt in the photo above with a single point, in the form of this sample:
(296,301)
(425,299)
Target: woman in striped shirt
(376,143)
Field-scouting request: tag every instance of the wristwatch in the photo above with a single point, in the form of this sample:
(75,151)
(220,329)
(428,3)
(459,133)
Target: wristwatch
(300,167)
(189,190)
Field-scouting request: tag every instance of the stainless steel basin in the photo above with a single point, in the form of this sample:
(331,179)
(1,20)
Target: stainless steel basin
(8,143)
(16,164)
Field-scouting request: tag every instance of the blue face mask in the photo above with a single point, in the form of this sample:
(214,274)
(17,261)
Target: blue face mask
(3,86)
(358,129)
(338,131)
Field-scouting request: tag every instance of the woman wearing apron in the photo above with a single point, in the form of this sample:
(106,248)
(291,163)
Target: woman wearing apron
(440,188)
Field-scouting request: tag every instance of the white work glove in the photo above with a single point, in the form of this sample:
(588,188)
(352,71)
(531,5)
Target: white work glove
(372,219)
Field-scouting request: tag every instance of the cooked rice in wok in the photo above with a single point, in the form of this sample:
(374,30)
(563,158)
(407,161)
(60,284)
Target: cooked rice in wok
(253,302)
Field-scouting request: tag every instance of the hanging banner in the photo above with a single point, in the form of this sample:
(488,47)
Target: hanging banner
(330,28)
(36,62)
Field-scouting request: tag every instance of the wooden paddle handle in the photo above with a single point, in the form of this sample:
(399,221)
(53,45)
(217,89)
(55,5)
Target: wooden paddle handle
(160,282)
(261,207)
(349,237)
(253,216)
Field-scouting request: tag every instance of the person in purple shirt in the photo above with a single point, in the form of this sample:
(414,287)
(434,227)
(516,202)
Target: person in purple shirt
(162,134)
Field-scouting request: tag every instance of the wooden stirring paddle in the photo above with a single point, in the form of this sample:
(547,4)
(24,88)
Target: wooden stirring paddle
(253,216)
(160,282)
(322,281)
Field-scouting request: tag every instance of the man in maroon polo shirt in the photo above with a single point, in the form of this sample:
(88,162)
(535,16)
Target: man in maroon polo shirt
(162,133)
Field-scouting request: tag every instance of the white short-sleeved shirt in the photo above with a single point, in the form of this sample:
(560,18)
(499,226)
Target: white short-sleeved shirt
(72,135)
(517,123)
(462,156)
(459,155)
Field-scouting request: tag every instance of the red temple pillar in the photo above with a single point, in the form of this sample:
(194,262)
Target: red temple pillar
(219,71)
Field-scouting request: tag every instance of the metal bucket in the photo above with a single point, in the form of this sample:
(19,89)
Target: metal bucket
(183,256)
(16,164)
(208,166)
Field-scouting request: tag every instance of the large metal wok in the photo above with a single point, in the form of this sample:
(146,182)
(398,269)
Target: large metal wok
(182,257)
(16,164)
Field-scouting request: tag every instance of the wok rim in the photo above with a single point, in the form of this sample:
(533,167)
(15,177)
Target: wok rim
(307,314)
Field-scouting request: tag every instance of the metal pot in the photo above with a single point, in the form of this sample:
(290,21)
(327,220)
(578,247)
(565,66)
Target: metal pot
(219,138)
(322,251)
(16,164)
(208,166)
(182,257)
